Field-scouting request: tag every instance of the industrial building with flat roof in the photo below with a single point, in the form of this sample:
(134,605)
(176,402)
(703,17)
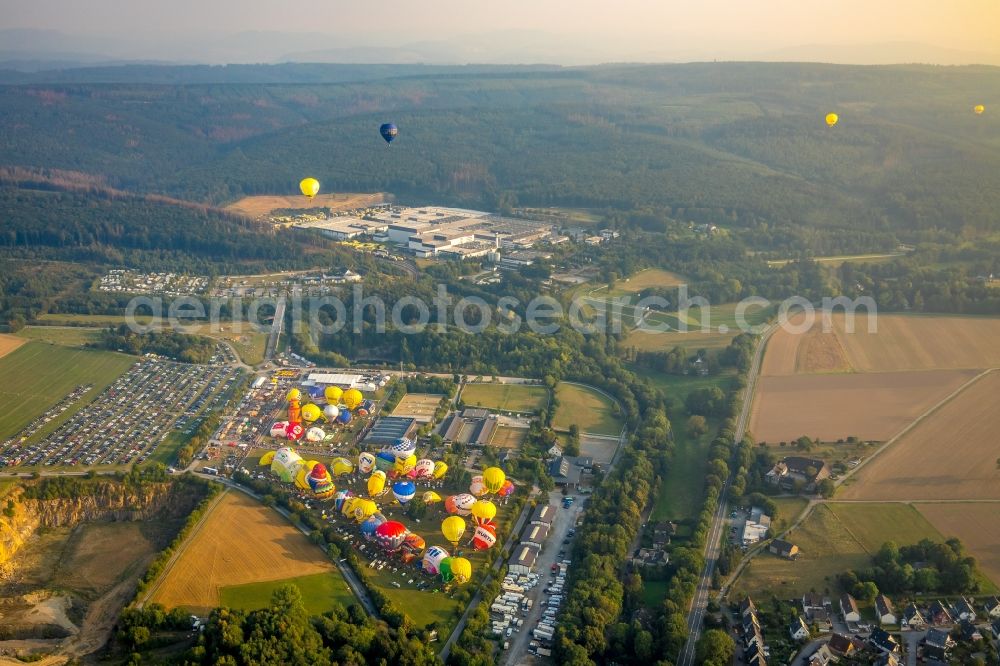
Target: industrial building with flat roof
(543,515)
(522,560)
(388,429)
(472,426)
(344,227)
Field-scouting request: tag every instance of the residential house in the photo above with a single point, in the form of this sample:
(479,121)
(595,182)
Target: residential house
(784,549)
(937,644)
(849,608)
(883,641)
(992,607)
(565,472)
(811,602)
(755,656)
(822,656)
(884,610)
(792,469)
(969,631)
(939,614)
(963,610)
(750,624)
(887,659)
(841,645)
(747,607)
(753,637)
(996,629)
(913,619)
(799,630)
(649,557)
(821,618)
(662,532)
(756,526)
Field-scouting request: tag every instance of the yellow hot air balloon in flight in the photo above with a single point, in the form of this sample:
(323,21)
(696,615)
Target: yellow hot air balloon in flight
(831,119)
(309,187)
(978,109)
(352,398)
(332,394)
(493,477)
(453,527)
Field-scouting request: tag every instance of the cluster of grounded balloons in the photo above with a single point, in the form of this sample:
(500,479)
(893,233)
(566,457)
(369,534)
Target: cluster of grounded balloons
(338,409)
(308,475)
(310,186)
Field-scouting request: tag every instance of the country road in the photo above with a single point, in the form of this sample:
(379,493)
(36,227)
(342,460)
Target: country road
(699,604)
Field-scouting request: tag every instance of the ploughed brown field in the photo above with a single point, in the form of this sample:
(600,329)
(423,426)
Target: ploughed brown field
(951,454)
(240,541)
(9,343)
(260,206)
(978,527)
(871,406)
(901,342)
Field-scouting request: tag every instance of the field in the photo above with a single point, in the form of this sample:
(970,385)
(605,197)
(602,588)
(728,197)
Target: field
(712,328)
(260,206)
(240,541)
(872,406)
(506,397)
(951,454)
(680,495)
(420,406)
(977,525)
(508,438)
(649,278)
(589,410)
(38,374)
(70,336)
(902,342)
(871,524)
(9,343)
(837,261)
(789,509)
(319,593)
(679,386)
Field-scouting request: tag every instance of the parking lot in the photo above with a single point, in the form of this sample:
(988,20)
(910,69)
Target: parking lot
(130,418)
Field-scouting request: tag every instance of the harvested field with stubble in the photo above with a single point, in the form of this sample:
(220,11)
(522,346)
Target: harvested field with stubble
(901,342)
(9,343)
(978,527)
(240,541)
(872,406)
(952,454)
(260,206)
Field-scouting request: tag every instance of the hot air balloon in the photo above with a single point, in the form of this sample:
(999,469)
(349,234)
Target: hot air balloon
(403,491)
(293,394)
(320,481)
(978,109)
(285,464)
(309,187)
(404,466)
(388,132)
(390,535)
(352,398)
(506,489)
(478,486)
(330,413)
(300,478)
(266,458)
(341,498)
(404,447)
(831,119)
(457,569)
(363,508)
(460,504)
(431,497)
(341,466)
(311,412)
(453,528)
(424,468)
(440,469)
(414,542)
(385,461)
(366,462)
(332,394)
(294,411)
(376,483)
(344,417)
(483,510)
(494,479)
(433,558)
(315,435)
(294,431)
(485,536)
(279,429)
(371,524)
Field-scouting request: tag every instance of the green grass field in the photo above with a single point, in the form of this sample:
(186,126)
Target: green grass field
(710,329)
(680,496)
(837,261)
(320,593)
(651,277)
(589,410)
(70,336)
(505,397)
(789,509)
(39,374)
(653,593)
(679,386)
(870,523)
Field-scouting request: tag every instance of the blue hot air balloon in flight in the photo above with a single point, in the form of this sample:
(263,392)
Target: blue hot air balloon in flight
(388,132)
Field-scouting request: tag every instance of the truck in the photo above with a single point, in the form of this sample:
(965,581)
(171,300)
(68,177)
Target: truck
(542,634)
(543,652)
(210,470)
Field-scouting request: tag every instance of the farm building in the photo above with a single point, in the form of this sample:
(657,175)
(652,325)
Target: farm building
(565,471)
(536,535)
(388,429)
(788,471)
(784,549)
(543,515)
(522,560)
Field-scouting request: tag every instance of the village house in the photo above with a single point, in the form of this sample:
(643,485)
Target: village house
(784,549)
(992,607)
(938,614)
(995,627)
(884,610)
(662,532)
(849,608)
(649,557)
(792,469)
(756,526)
(937,644)
(913,619)
(969,631)
(963,610)
(799,630)
(883,641)
(841,645)
(823,656)
(888,659)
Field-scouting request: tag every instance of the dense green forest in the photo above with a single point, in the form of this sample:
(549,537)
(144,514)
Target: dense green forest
(737,144)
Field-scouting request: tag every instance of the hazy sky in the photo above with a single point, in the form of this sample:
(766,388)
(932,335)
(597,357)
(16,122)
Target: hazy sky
(616,29)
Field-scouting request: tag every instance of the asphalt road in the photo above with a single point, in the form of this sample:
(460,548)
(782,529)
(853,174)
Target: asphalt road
(699,604)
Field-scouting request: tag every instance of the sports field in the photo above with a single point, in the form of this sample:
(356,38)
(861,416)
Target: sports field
(320,593)
(240,541)
(977,525)
(901,342)
(872,406)
(508,438)
(38,374)
(260,206)
(9,343)
(521,398)
(952,454)
(420,406)
(588,409)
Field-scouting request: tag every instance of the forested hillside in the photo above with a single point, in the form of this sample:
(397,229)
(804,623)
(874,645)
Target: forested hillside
(736,144)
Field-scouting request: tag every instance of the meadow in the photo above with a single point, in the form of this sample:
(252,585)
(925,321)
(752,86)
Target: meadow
(589,410)
(320,593)
(522,398)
